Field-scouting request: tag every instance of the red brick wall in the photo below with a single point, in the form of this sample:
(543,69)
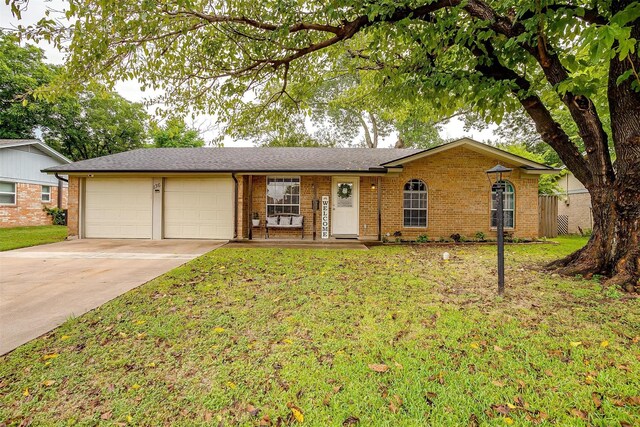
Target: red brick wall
(368,207)
(28,209)
(459,196)
(74,201)
(458,199)
(259,204)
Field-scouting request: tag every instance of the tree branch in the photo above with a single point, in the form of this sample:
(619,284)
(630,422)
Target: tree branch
(550,130)
(591,16)
(582,109)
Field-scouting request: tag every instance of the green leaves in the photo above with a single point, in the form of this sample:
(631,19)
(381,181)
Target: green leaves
(175,133)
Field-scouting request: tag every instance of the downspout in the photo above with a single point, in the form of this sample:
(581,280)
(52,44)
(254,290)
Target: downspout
(379,209)
(60,188)
(235,205)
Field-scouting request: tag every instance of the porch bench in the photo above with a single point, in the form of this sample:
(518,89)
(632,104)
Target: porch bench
(286,222)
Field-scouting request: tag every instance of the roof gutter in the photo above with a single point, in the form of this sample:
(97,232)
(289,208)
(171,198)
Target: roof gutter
(60,178)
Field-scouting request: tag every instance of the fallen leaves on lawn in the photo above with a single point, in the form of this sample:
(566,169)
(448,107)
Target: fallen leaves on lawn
(575,343)
(296,412)
(579,413)
(350,421)
(252,410)
(50,356)
(501,409)
(597,400)
(327,398)
(48,383)
(604,344)
(429,397)
(395,403)
(218,330)
(106,415)
(378,367)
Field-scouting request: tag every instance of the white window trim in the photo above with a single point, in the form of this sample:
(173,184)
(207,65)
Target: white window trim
(266,190)
(14,193)
(420,227)
(48,194)
(495,227)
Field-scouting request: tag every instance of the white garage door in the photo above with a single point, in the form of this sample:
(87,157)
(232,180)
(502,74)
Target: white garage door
(198,208)
(118,208)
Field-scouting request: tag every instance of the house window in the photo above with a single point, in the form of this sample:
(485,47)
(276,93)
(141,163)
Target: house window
(415,204)
(508,205)
(7,193)
(283,195)
(45,196)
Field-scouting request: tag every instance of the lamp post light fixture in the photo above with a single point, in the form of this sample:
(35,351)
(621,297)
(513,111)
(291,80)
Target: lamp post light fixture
(495,175)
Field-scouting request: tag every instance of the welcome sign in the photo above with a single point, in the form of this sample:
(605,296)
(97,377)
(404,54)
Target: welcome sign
(325,217)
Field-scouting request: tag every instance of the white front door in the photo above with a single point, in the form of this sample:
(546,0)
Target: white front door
(346,200)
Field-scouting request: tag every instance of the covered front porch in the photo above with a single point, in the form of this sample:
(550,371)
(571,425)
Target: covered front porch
(322,208)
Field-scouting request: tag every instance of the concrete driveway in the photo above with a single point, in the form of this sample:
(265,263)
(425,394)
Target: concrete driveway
(42,286)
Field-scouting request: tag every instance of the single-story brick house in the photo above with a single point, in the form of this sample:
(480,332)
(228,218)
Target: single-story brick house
(24,189)
(213,193)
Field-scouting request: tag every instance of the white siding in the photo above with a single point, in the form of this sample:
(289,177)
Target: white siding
(24,163)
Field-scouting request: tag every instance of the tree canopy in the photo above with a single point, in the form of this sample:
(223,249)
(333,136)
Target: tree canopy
(22,70)
(175,133)
(94,123)
(87,122)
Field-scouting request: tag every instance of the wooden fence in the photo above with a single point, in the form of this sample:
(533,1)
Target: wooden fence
(547,216)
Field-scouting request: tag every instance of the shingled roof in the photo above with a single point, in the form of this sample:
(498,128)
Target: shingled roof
(277,159)
(241,159)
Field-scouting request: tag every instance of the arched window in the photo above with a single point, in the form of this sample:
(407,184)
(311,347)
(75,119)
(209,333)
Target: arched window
(415,204)
(508,205)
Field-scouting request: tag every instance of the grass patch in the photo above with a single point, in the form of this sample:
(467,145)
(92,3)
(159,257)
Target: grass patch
(21,237)
(386,337)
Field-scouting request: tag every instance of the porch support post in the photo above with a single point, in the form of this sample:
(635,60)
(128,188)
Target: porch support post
(235,205)
(314,205)
(379,208)
(250,208)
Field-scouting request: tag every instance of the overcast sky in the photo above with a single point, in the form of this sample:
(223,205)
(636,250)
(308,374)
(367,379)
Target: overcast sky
(131,89)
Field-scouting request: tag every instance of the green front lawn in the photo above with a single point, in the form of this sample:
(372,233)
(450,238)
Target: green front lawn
(393,336)
(21,237)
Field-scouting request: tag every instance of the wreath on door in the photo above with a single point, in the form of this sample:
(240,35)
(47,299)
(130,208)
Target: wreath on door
(344,190)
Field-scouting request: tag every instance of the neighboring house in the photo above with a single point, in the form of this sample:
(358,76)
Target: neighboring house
(574,205)
(212,193)
(24,189)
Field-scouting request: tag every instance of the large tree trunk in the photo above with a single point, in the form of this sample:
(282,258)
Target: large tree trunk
(614,247)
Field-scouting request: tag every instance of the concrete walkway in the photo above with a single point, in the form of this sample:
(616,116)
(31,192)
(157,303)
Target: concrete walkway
(42,286)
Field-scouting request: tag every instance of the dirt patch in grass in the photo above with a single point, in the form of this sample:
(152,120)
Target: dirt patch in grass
(390,336)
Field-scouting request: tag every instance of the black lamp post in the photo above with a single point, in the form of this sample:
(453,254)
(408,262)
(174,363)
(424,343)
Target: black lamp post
(497,173)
